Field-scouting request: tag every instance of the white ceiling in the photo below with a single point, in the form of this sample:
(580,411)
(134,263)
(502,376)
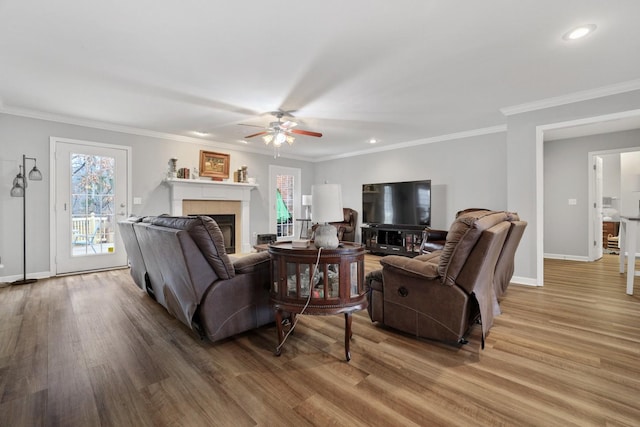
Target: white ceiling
(397,71)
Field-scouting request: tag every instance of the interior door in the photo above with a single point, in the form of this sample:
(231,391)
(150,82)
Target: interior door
(91,195)
(596,252)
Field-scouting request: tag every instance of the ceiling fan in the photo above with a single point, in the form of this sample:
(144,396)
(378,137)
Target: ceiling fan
(280,132)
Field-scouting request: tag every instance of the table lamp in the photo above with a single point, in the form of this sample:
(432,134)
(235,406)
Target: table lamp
(327,207)
(307,199)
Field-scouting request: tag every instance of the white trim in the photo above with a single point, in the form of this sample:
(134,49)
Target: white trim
(94,124)
(539,205)
(590,120)
(572,97)
(528,281)
(568,257)
(418,142)
(240,146)
(37,275)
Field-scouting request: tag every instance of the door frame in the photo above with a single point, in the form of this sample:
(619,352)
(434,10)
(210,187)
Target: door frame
(53,231)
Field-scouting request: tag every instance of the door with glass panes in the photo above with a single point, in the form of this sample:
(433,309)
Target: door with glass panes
(285,197)
(91,193)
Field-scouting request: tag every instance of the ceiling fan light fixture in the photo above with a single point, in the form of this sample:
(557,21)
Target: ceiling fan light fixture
(280,138)
(267,139)
(290,139)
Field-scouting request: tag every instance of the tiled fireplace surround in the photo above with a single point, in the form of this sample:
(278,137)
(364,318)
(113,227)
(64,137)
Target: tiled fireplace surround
(190,197)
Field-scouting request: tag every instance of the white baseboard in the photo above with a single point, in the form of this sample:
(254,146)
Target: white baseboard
(567,257)
(528,281)
(39,275)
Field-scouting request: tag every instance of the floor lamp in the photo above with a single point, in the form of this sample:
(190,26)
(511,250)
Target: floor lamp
(19,189)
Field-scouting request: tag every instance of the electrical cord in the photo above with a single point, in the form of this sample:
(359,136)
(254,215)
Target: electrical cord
(293,325)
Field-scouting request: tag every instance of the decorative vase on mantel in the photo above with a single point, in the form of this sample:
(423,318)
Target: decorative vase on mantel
(173,168)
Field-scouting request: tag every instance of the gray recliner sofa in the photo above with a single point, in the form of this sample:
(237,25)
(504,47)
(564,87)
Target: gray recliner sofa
(181,262)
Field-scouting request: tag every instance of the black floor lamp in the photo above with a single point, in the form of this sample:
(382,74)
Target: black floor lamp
(19,189)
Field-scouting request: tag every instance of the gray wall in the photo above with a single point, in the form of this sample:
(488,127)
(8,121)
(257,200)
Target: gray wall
(497,171)
(469,172)
(566,176)
(21,135)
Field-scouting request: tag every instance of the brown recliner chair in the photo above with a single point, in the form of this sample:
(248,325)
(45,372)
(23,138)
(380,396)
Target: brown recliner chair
(347,227)
(441,295)
(432,240)
(505,264)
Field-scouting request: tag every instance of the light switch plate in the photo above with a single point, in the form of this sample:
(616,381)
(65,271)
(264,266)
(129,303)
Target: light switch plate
(573,202)
(137,200)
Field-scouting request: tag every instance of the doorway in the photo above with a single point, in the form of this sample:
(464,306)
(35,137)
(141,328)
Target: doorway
(285,198)
(90,190)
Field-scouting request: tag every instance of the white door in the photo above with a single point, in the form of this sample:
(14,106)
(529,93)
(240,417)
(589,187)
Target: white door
(91,193)
(285,199)
(596,252)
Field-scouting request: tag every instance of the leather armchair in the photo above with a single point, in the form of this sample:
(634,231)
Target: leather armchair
(432,240)
(440,295)
(347,227)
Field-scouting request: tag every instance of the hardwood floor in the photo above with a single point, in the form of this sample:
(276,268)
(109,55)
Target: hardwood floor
(93,350)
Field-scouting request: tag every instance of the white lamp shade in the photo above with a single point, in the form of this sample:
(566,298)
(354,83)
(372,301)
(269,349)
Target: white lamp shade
(307,199)
(327,203)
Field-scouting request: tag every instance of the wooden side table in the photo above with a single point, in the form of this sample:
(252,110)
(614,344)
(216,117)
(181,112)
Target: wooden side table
(337,286)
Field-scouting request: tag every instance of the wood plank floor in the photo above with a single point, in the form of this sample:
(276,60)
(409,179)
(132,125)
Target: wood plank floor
(93,350)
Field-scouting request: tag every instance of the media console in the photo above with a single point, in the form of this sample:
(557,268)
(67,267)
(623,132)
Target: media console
(396,240)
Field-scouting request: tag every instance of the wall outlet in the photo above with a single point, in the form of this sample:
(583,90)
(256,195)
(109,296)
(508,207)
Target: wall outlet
(137,200)
(573,202)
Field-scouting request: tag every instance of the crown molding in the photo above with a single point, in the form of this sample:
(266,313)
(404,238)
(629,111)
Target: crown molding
(585,95)
(94,124)
(418,142)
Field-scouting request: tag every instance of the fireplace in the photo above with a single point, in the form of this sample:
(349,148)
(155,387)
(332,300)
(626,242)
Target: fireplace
(199,197)
(227,224)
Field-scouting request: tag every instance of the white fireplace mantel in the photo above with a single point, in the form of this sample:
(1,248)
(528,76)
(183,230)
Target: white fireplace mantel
(197,189)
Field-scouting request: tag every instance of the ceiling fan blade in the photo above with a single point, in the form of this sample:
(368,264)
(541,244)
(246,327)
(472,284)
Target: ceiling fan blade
(305,132)
(264,132)
(288,124)
(247,124)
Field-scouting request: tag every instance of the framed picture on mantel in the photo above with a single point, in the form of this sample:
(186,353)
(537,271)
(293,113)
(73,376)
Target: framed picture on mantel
(215,165)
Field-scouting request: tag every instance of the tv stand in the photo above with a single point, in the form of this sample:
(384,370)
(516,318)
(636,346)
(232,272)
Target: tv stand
(393,239)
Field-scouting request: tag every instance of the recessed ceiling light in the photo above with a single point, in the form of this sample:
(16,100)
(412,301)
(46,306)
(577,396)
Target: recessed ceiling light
(198,133)
(579,32)
(373,141)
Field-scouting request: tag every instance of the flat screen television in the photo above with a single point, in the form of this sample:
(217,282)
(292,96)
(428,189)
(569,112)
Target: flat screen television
(397,203)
